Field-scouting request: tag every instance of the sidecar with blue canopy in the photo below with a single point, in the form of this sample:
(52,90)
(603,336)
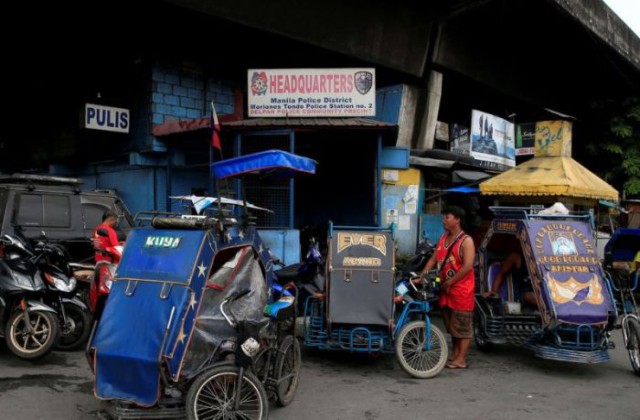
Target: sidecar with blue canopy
(356,311)
(573,309)
(165,325)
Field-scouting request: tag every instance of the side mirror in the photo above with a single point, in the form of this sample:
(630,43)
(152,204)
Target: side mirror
(103,232)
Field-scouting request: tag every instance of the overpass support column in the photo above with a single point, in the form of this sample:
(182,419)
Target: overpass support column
(430,117)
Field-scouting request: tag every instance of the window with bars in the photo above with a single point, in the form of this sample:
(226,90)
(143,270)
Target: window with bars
(274,195)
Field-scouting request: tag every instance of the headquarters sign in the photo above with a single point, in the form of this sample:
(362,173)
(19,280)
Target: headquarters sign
(347,92)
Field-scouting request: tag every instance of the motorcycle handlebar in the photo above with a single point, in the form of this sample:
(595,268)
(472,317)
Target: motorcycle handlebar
(232,297)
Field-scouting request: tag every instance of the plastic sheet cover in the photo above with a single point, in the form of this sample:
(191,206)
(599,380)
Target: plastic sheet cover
(240,272)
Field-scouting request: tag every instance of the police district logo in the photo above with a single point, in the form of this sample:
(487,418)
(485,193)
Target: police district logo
(363,81)
(259,83)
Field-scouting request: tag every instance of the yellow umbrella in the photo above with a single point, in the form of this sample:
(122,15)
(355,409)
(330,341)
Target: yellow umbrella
(556,176)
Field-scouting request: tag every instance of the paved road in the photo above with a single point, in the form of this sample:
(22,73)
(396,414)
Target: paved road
(509,383)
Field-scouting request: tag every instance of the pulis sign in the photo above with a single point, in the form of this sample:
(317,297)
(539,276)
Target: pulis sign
(106,118)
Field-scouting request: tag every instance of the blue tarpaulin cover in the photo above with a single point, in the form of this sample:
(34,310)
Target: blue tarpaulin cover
(162,271)
(265,163)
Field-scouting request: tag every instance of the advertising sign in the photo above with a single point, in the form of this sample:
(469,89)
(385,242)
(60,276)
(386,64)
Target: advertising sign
(553,138)
(348,92)
(492,139)
(460,139)
(525,136)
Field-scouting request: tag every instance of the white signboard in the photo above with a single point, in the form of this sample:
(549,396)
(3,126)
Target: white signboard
(492,139)
(349,92)
(106,118)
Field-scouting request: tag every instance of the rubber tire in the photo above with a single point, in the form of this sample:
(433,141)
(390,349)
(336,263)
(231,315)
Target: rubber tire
(288,352)
(219,372)
(633,333)
(478,335)
(436,335)
(51,339)
(82,319)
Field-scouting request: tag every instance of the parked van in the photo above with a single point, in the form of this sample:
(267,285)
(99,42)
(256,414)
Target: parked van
(59,208)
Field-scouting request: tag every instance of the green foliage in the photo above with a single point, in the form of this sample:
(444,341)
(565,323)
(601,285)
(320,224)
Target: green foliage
(618,148)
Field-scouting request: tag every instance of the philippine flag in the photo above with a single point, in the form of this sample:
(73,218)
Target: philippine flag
(215,129)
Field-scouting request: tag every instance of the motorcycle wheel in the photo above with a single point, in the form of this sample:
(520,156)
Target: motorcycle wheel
(413,357)
(44,334)
(287,370)
(212,395)
(74,334)
(633,344)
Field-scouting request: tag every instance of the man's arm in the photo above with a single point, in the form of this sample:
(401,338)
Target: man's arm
(430,264)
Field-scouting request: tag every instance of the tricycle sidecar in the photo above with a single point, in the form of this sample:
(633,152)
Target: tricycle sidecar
(575,308)
(195,322)
(623,268)
(356,312)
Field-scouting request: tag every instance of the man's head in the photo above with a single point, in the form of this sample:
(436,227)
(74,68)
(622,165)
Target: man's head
(452,217)
(110,218)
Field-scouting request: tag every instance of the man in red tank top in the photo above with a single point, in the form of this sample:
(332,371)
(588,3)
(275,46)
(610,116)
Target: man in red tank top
(107,243)
(453,258)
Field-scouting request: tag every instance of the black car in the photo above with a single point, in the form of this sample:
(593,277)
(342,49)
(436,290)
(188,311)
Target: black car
(59,208)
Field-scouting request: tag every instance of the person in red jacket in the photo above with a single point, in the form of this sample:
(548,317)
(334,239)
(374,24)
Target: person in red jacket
(105,245)
(454,257)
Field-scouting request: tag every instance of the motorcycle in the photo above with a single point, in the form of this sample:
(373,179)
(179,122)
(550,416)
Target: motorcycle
(73,314)
(29,326)
(308,276)
(417,262)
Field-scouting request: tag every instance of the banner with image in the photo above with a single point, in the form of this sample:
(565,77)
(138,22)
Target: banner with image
(492,139)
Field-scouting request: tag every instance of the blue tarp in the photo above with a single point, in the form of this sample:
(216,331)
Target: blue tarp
(265,163)
(464,190)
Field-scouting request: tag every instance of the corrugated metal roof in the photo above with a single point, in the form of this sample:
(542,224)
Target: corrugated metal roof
(308,122)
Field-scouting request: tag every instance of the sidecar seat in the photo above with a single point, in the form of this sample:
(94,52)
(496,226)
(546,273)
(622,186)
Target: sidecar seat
(506,292)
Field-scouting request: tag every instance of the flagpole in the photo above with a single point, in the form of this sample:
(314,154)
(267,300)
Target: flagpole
(211,192)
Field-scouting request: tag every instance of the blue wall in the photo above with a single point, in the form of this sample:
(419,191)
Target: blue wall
(140,178)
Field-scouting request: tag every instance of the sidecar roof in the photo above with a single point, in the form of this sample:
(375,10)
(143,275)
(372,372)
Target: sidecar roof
(267,163)
(623,245)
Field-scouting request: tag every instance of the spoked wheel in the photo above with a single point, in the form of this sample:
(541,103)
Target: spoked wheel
(76,329)
(414,358)
(478,334)
(287,370)
(633,344)
(34,340)
(212,396)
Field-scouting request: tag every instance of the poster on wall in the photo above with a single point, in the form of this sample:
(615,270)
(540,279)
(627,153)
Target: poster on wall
(492,139)
(460,139)
(442,131)
(345,92)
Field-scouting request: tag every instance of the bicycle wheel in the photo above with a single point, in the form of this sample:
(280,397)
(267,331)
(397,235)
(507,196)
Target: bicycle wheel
(287,370)
(413,357)
(212,396)
(633,344)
